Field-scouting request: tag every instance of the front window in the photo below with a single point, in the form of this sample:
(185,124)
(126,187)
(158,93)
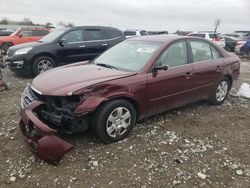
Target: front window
(128,55)
(73,36)
(52,35)
(175,55)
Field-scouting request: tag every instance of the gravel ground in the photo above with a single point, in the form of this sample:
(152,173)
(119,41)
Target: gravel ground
(194,146)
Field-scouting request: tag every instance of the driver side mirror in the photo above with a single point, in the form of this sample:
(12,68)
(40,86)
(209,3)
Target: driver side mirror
(161,67)
(62,42)
(20,35)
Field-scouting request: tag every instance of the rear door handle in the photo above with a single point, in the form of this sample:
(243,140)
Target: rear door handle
(82,46)
(188,75)
(217,68)
(104,44)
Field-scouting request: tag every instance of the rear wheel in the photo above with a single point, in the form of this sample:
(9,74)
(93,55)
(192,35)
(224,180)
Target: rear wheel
(114,120)
(6,47)
(221,92)
(43,64)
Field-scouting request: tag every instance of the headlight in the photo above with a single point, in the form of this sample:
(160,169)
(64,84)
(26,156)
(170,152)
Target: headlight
(23,51)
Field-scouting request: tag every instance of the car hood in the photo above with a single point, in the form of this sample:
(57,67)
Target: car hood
(24,45)
(63,81)
(5,38)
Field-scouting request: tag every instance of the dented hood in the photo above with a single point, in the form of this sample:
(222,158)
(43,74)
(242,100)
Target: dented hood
(64,80)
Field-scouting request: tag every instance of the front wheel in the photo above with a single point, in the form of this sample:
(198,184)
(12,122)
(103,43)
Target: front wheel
(43,64)
(114,120)
(221,92)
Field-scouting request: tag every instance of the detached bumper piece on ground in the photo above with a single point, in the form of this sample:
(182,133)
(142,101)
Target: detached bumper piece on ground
(40,138)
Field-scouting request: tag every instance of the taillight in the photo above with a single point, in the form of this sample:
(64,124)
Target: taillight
(217,39)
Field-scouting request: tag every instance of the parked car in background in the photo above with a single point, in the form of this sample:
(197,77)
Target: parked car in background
(60,47)
(235,35)
(215,37)
(135,33)
(230,43)
(243,47)
(133,80)
(4,32)
(20,36)
(157,32)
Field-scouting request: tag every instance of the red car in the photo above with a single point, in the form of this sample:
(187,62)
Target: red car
(133,80)
(22,35)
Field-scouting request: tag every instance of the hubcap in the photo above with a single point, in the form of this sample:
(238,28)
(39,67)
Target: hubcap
(222,91)
(118,122)
(44,65)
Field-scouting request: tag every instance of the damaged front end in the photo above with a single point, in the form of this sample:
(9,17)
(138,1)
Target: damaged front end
(42,116)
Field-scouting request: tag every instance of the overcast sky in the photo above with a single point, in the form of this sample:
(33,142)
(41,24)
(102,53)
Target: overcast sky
(134,14)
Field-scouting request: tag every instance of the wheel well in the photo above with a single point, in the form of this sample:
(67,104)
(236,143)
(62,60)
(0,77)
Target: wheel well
(132,101)
(8,43)
(230,80)
(45,54)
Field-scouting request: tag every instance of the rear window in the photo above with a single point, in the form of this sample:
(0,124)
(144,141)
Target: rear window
(92,34)
(129,33)
(40,32)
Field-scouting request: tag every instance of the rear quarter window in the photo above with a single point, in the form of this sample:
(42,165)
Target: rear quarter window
(110,34)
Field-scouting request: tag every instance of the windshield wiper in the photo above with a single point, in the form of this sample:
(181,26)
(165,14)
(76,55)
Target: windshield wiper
(106,65)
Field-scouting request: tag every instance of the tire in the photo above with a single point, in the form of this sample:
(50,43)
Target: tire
(5,48)
(220,93)
(42,64)
(228,48)
(111,111)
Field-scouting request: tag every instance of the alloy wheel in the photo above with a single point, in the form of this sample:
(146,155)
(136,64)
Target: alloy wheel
(221,91)
(118,122)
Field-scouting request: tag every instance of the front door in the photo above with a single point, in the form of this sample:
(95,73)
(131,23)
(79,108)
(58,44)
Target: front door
(71,47)
(170,88)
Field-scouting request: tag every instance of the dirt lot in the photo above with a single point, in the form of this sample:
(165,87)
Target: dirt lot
(195,146)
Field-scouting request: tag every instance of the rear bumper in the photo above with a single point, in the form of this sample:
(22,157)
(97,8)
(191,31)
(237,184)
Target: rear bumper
(41,139)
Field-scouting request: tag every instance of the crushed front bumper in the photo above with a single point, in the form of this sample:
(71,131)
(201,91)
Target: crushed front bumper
(40,138)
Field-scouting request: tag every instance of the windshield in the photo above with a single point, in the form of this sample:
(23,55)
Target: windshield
(128,55)
(52,36)
(15,32)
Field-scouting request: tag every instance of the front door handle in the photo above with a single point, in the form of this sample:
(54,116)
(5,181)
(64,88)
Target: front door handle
(104,44)
(82,46)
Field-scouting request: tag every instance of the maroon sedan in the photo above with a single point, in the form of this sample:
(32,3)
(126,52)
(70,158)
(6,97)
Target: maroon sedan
(133,80)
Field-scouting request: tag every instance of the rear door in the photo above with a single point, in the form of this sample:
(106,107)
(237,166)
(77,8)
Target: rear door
(208,65)
(173,87)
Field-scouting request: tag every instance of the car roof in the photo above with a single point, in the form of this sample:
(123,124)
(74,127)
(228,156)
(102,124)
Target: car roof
(93,27)
(160,38)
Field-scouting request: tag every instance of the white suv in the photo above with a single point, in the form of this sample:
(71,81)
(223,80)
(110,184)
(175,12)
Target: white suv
(135,33)
(215,37)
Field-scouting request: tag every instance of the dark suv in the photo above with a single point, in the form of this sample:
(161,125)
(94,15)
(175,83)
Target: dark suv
(60,47)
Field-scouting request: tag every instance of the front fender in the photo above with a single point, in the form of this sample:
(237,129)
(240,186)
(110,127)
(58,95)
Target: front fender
(90,104)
